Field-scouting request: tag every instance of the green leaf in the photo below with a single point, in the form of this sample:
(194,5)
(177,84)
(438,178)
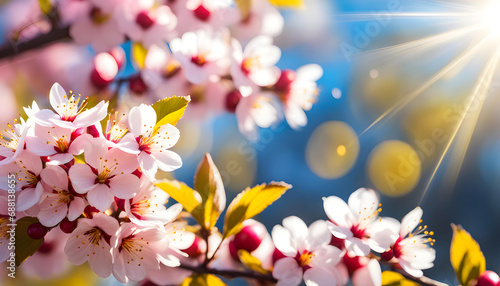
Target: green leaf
(25,245)
(170,109)
(45,6)
(390,278)
(184,195)
(250,203)
(139,53)
(288,3)
(251,262)
(79,159)
(466,256)
(244,6)
(208,183)
(203,280)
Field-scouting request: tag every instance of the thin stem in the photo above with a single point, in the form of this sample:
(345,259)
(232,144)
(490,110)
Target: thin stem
(11,49)
(229,273)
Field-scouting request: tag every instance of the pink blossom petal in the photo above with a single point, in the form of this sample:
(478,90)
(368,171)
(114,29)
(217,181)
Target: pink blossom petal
(317,235)
(148,165)
(55,177)
(167,161)
(287,272)
(141,119)
(50,217)
(124,186)
(369,275)
(410,221)
(76,208)
(57,97)
(298,230)
(357,246)
(319,277)
(101,261)
(93,115)
(282,239)
(82,178)
(29,197)
(338,211)
(100,197)
(60,159)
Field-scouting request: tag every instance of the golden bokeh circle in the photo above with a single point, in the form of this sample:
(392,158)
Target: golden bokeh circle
(332,150)
(394,168)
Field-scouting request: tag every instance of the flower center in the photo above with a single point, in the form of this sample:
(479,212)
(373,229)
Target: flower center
(199,60)
(98,17)
(94,235)
(73,107)
(4,228)
(65,197)
(202,13)
(115,129)
(10,139)
(305,258)
(358,232)
(248,64)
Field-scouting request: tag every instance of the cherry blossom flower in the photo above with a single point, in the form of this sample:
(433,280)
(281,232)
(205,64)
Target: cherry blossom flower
(138,249)
(151,142)
(71,112)
(4,237)
(49,260)
(201,54)
(12,141)
(57,143)
(298,92)
(202,14)
(307,252)
(368,275)
(107,174)
(58,201)
(148,206)
(255,66)
(256,110)
(97,26)
(146,22)
(357,222)
(263,19)
(29,188)
(412,248)
(90,242)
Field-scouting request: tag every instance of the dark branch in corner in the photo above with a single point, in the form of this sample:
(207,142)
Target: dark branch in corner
(10,49)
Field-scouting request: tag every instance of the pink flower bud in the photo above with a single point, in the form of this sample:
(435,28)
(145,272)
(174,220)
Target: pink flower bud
(105,70)
(249,238)
(144,21)
(202,13)
(67,226)
(232,100)
(488,278)
(137,85)
(119,55)
(197,248)
(37,231)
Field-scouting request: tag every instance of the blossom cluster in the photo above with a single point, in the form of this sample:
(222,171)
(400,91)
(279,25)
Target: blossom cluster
(91,193)
(94,184)
(221,55)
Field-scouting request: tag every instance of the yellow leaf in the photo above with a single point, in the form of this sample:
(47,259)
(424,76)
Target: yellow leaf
(287,3)
(390,278)
(203,280)
(244,6)
(183,195)
(208,183)
(250,203)
(79,159)
(466,256)
(45,6)
(139,53)
(170,110)
(251,262)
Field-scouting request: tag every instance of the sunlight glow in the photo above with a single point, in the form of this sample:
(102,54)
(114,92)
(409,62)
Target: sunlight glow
(491,18)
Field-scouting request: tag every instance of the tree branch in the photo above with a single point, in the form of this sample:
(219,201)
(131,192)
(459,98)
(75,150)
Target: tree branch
(422,280)
(229,273)
(11,49)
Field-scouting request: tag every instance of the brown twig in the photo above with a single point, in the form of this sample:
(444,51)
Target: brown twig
(10,49)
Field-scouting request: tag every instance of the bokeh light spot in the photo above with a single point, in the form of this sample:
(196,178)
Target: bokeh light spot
(332,150)
(336,93)
(394,168)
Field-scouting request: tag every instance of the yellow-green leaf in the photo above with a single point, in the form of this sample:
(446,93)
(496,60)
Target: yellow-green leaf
(139,53)
(251,262)
(183,195)
(466,256)
(288,3)
(25,245)
(208,183)
(250,203)
(244,6)
(45,6)
(390,278)
(170,109)
(203,280)
(79,159)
